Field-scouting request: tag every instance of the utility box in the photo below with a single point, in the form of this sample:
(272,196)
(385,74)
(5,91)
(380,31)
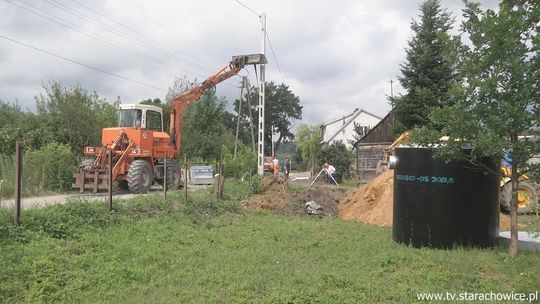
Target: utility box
(201,175)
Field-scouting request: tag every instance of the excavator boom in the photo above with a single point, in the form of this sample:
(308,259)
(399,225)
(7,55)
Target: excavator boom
(180,102)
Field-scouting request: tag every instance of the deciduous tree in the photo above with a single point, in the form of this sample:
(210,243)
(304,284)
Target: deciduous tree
(497,106)
(282,106)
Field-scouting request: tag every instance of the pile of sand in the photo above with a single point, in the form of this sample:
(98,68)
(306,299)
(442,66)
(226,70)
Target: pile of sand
(372,203)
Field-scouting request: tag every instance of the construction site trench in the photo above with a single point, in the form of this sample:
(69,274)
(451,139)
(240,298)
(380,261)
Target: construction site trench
(370,203)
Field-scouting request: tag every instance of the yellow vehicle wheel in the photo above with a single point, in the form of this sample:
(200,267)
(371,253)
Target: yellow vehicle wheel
(527,196)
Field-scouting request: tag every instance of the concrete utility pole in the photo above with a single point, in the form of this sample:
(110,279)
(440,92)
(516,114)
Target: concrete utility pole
(260,149)
(391,88)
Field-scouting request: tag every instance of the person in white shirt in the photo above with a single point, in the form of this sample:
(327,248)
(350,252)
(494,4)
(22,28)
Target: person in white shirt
(275,162)
(330,173)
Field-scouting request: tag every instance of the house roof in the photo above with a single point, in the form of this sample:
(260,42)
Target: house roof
(348,122)
(382,132)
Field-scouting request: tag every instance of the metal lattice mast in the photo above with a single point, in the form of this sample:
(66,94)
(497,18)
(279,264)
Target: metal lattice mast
(260,148)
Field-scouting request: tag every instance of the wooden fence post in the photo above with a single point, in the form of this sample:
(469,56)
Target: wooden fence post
(18,181)
(165,176)
(185,178)
(110,179)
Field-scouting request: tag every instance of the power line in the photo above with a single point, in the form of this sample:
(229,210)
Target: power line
(83,64)
(338,83)
(122,34)
(273,53)
(247,7)
(72,26)
(139,33)
(102,39)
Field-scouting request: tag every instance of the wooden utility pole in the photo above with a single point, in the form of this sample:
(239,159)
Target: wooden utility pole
(239,114)
(18,181)
(251,117)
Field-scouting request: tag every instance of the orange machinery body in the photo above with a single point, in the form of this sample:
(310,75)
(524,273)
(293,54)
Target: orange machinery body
(143,144)
(131,143)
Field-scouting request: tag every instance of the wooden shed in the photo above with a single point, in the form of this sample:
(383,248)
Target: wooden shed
(370,148)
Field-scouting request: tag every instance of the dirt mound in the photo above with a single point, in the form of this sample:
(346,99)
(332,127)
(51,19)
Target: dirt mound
(326,196)
(372,203)
(275,193)
(277,196)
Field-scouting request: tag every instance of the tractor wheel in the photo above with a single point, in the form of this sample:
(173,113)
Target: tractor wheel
(123,184)
(174,175)
(505,198)
(140,176)
(527,196)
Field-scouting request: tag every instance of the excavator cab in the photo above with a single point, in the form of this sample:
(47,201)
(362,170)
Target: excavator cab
(147,117)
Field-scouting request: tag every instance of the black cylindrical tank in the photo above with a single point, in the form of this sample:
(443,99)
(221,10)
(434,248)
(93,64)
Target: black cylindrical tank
(443,204)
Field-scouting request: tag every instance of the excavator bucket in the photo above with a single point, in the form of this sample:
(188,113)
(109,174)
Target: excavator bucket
(242,60)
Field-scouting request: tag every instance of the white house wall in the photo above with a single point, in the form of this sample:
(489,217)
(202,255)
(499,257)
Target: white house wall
(347,133)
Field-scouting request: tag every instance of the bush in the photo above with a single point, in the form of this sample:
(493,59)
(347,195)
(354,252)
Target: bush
(7,175)
(338,156)
(67,220)
(48,169)
(245,162)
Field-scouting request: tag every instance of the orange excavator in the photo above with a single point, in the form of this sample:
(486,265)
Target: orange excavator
(139,145)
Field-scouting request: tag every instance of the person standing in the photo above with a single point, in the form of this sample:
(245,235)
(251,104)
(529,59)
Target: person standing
(275,161)
(330,173)
(287,167)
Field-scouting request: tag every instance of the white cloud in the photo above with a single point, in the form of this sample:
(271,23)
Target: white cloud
(336,56)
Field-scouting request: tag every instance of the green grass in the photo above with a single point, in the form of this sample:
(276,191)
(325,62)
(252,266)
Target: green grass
(150,251)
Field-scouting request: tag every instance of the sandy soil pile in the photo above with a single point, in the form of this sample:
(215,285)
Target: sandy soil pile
(277,196)
(275,193)
(372,203)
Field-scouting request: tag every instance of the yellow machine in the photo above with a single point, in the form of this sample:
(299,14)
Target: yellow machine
(527,196)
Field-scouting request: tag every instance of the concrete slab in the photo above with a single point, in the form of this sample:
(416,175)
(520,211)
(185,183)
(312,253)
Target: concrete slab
(526,241)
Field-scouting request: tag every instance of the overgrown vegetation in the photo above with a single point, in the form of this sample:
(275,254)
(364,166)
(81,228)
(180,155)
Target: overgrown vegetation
(245,162)
(149,250)
(308,139)
(49,169)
